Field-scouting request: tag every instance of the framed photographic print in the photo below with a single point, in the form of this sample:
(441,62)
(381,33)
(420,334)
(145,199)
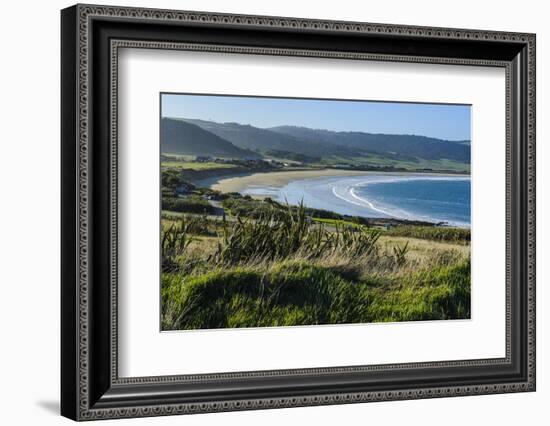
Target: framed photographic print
(263,212)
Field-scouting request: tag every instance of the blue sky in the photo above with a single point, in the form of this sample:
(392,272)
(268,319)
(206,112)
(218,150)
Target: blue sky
(451,122)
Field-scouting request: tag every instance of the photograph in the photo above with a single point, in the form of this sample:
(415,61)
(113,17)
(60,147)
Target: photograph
(284,212)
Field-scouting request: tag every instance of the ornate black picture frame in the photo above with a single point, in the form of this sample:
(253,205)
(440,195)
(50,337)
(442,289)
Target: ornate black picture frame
(91,388)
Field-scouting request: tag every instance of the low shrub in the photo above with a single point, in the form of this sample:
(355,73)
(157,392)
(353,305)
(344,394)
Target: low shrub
(436,233)
(189,204)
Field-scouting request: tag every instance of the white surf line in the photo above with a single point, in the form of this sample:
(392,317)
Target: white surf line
(345,199)
(371,205)
(361,203)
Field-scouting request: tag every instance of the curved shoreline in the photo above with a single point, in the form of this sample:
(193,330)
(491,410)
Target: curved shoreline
(268,184)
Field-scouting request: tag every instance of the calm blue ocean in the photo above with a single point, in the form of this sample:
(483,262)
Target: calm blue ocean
(422,197)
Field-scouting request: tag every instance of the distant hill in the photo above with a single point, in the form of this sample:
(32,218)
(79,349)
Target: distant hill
(201,137)
(403,145)
(181,137)
(261,140)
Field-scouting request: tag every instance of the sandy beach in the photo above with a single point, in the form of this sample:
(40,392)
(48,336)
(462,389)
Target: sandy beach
(276,179)
(279,179)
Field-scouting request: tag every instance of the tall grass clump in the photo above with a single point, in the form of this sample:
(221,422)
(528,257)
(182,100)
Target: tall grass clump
(279,236)
(174,242)
(399,254)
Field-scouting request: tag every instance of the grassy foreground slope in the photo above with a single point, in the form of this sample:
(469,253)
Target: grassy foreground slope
(283,268)
(304,293)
